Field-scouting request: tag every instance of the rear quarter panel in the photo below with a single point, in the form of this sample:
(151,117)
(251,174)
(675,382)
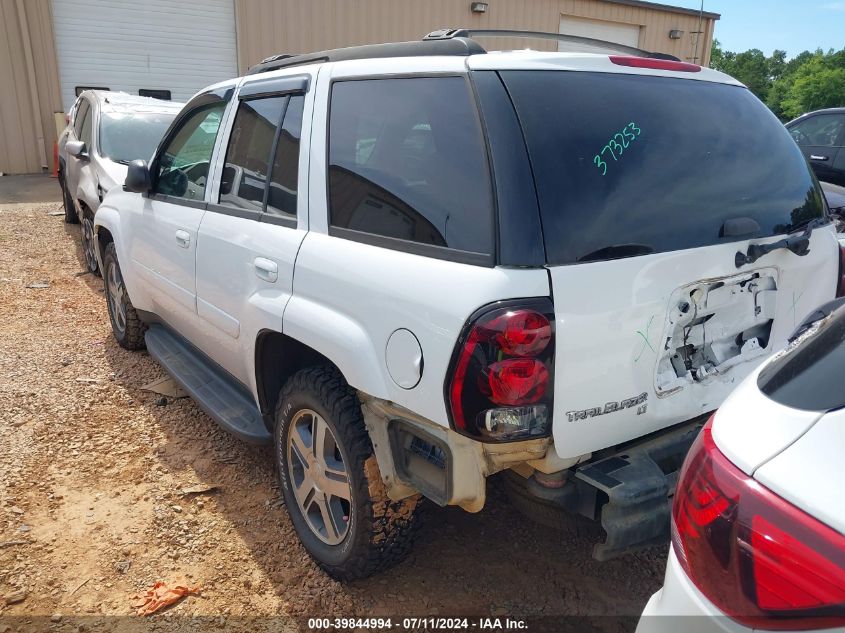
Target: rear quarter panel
(350,297)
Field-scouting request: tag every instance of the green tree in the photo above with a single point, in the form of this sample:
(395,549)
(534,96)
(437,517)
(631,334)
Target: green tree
(751,67)
(818,84)
(808,81)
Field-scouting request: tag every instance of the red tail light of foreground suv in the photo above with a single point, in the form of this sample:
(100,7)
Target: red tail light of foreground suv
(758,558)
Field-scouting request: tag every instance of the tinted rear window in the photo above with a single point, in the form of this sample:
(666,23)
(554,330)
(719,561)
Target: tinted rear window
(630,164)
(809,376)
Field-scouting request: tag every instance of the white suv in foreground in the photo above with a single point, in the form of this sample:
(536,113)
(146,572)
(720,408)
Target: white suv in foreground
(411,266)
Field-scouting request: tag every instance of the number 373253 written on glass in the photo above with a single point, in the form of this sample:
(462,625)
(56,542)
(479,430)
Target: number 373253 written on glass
(616,146)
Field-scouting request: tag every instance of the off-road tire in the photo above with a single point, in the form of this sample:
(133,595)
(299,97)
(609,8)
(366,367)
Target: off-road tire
(381,532)
(132,337)
(544,512)
(67,204)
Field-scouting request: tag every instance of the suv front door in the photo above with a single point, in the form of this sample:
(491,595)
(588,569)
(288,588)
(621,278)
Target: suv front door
(250,235)
(164,229)
(76,168)
(820,138)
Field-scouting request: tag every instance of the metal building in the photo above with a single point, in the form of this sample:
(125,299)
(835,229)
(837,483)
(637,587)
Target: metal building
(54,48)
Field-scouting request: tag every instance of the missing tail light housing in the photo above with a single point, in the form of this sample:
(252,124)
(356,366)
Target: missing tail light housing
(758,558)
(500,384)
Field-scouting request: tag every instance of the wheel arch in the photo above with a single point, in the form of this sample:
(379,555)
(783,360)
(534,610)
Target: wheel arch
(277,358)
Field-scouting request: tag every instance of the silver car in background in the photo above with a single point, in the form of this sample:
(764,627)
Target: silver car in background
(105,131)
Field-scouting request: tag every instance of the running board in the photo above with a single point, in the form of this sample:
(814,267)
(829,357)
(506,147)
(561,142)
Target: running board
(214,390)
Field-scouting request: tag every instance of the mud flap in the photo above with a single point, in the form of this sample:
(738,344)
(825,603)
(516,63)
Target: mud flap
(638,482)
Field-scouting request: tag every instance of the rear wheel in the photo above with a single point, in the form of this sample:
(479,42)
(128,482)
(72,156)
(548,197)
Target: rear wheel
(330,479)
(127,328)
(89,244)
(67,204)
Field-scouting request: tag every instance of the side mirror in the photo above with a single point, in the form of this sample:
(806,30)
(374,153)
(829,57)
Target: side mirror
(137,177)
(77,149)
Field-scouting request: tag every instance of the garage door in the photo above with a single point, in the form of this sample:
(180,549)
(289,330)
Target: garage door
(627,34)
(131,45)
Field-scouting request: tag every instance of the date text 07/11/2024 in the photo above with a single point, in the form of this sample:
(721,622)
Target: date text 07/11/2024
(419,624)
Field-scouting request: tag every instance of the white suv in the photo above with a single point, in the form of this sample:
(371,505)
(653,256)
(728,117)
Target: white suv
(105,131)
(411,266)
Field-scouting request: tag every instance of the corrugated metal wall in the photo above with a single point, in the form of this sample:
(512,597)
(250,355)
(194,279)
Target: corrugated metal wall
(30,86)
(29,73)
(268,27)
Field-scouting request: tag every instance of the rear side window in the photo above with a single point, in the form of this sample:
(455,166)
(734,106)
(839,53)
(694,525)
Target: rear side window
(263,156)
(284,170)
(245,171)
(407,161)
(629,165)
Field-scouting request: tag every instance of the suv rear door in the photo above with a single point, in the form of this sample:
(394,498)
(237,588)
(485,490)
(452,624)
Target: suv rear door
(649,186)
(250,235)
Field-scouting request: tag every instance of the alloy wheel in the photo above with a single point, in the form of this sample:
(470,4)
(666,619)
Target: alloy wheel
(319,477)
(88,244)
(116,292)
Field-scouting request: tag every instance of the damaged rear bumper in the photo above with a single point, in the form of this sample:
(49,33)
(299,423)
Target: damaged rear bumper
(629,490)
(417,455)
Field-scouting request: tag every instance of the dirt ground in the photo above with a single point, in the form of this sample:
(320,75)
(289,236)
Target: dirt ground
(93,469)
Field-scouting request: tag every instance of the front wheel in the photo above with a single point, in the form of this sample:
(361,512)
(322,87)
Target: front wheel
(68,205)
(127,328)
(89,244)
(331,482)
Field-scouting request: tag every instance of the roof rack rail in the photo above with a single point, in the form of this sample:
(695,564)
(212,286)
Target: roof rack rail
(447,34)
(458,46)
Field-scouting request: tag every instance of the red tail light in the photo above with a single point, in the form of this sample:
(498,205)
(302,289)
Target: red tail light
(757,557)
(501,372)
(840,286)
(657,64)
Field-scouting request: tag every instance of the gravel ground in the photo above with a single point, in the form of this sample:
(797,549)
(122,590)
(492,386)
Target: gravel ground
(92,473)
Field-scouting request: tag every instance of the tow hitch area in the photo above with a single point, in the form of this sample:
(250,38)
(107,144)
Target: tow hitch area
(629,491)
(714,325)
(639,483)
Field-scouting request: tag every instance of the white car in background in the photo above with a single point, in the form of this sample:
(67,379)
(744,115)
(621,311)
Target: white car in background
(758,524)
(105,131)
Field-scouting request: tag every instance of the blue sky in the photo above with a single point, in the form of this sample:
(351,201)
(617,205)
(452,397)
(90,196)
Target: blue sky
(789,25)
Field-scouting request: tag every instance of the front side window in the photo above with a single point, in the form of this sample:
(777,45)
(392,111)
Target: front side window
(85,130)
(79,116)
(823,129)
(183,164)
(407,161)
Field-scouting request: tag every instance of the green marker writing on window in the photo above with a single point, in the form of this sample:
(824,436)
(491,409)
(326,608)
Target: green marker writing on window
(616,146)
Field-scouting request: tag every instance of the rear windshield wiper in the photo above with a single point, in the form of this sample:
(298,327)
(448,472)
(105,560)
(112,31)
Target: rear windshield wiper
(798,244)
(616,251)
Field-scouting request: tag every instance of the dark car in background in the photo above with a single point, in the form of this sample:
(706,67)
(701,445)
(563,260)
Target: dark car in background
(821,137)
